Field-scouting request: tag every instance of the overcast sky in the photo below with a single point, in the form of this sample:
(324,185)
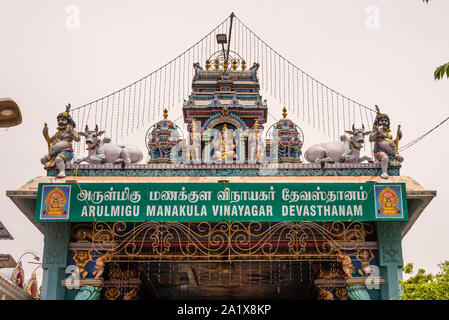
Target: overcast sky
(375,52)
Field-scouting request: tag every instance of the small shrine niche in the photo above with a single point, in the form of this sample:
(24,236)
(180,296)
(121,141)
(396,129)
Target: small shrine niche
(287,138)
(161,139)
(225,101)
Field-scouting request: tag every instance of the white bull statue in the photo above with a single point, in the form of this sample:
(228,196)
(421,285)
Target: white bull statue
(107,152)
(346,150)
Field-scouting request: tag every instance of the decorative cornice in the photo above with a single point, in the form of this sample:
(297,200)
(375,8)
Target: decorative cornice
(203,169)
(355,281)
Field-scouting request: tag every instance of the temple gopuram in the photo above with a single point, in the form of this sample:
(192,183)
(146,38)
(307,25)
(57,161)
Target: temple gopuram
(226,202)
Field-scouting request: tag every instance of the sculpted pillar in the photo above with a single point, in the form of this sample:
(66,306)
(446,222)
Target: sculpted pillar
(56,241)
(390,258)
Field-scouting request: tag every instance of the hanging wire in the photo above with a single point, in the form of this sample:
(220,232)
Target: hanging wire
(413,142)
(318,82)
(277,81)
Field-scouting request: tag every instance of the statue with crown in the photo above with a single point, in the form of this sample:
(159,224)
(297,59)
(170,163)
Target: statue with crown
(224,144)
(386,150)
(60,149)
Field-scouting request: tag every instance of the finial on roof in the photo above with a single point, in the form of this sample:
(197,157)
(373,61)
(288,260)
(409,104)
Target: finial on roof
(216,64)
(284,113)
(207,64)
(234,64)
(165,114)
(243,64)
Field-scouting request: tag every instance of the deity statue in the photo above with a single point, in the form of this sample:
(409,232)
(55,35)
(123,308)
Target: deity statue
(255,145)
(324,294)
(100,263)
(225,145)
(194,143)
(385,148)
(133,294)
(365,256)
(346,264)
(60,149)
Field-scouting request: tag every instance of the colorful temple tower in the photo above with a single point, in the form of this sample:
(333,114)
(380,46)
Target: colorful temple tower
(224,210)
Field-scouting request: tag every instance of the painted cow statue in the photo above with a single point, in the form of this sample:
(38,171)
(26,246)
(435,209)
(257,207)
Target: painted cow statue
(107,152)
(346,150)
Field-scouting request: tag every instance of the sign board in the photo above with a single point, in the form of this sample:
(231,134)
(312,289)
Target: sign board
(194,202)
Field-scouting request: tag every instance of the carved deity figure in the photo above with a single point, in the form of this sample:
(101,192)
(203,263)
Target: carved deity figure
(225,145)
(132,294)
(365,256)
(385,148)
(346,264)
(194,143)
(255,144)
(324,294)
(100,263)
(60,150)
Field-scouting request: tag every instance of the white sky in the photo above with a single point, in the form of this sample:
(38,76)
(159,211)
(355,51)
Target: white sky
(44,66)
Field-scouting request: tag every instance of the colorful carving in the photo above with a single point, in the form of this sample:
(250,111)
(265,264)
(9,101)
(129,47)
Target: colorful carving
(132,294)
(194,143)
(385,148)
(88,293)
(100,264)
(112,293)
(81,258)
(32,287)
(358,292)
(224,145)
(286,139)
(18,275)
(346,264)
(365,256)
(341,293)
(60,149)
(161,140)
(256,145)
(324,294)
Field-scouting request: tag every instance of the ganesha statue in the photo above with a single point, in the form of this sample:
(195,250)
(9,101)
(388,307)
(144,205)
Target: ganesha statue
(385,148)
(225,145)
(60,149)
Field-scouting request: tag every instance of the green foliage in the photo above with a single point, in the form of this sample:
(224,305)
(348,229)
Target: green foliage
(424,286)
(441,70)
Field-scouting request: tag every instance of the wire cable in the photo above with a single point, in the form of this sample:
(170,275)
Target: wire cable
(413,142)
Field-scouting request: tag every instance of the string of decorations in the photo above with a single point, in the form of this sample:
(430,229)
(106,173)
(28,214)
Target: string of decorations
(141,103)
(308,102)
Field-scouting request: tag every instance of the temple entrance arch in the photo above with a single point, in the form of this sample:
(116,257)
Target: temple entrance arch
(227,260)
